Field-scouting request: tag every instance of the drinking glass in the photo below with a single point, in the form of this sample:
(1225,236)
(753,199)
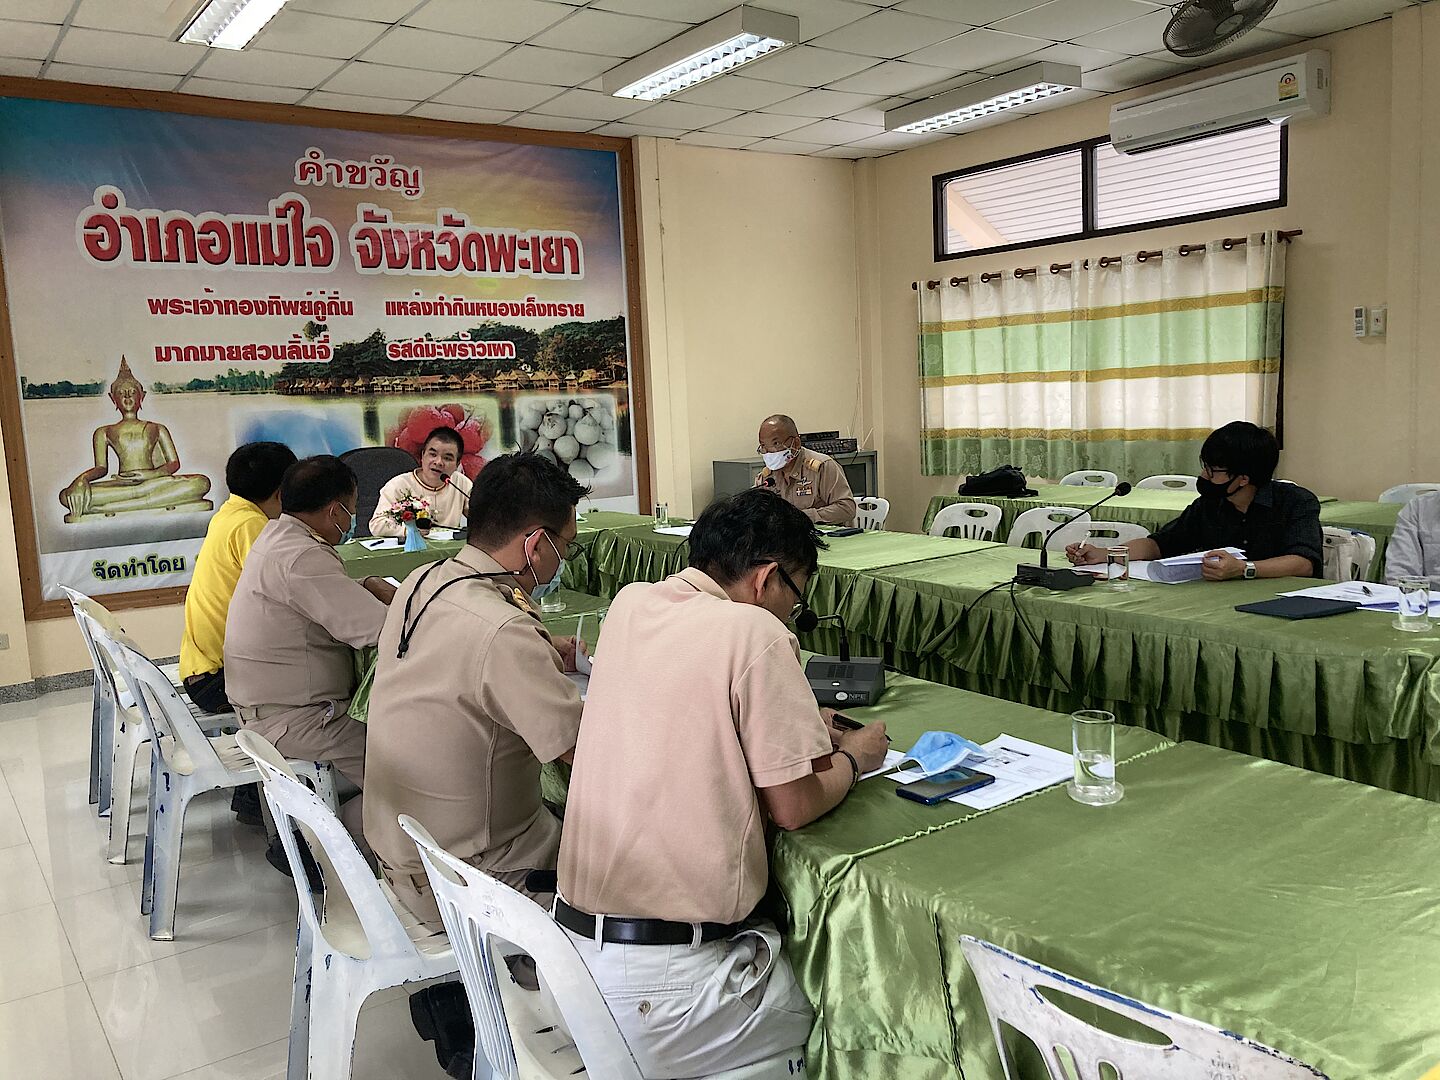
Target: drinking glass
(1414,613)
(1117,569)
(662,515)
(1093,733)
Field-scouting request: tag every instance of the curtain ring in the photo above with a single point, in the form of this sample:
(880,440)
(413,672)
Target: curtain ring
(932,285)
(954,281)
(1228,244)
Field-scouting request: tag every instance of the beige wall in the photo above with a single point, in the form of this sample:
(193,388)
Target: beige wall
(750,303)
(1356,412)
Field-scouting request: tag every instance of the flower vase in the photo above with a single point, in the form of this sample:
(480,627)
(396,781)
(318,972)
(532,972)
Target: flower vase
(413,540)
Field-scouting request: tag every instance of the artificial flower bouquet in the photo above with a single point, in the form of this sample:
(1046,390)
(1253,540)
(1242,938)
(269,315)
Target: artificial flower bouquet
(410,509)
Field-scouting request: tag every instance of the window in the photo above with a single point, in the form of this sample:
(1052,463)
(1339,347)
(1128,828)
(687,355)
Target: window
(1092,190)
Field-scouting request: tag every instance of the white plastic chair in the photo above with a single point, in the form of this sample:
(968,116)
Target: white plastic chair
(1090,478)
(976,521)
(512,1029)
(354,938)
(1109,533)
(184,762)
(1169,482)
(106,720)
(1403,493)
(1039,522)
(1011,987)
(1348,554)
(871,512)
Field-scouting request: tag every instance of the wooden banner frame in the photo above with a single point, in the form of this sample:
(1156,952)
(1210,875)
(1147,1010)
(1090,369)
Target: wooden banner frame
(16,460)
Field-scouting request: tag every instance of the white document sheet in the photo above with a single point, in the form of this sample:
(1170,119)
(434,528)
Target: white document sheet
(1370,595)
(674,530)
(382,543)
(1182,568)
(393,581)
(1018,765)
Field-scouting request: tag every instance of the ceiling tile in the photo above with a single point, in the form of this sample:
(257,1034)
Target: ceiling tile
(975,12)
(527,63)
(553,123)
(948,84)
(889,34)
(26,39)
(1137,71)
(266,68)
(693,11)
(853,152)
(354,103)
(1064,53)
(1136,37)
(738,92)
(131,16)
(819,17)
(382,80)
(101,48)
(24,69)
(626,130)
(759,125)
(822,103)
(405,46)
(502,20)
(1061,20)
(477,91)
(831,132)
(874,115)
(317,35)
(608,33)
(710,138)
(285,95)
(461,114)
(1329,17)
(891,77)
(46,11)
(99,76)
(784,146)
(891,140)
(805,65)
(681,114)
(587,103)
(975,49)
(386,11)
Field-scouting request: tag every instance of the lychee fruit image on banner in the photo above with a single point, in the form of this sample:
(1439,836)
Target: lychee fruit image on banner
(414,425)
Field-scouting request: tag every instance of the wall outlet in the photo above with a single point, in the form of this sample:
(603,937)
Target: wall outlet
(1378,318)
(1362,322)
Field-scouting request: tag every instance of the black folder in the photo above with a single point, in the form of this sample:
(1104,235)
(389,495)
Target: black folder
(1299,607)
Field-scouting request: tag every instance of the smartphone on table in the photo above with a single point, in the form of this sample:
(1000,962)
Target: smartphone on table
(941,786)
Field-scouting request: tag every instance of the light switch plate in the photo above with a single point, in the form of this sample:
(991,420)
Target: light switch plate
(1379,316)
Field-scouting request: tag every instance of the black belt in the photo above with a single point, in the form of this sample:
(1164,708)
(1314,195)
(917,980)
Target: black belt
(641,931)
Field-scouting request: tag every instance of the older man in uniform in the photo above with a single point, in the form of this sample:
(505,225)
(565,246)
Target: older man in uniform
(806,479)
(700,729)
(296,620)
(470,697)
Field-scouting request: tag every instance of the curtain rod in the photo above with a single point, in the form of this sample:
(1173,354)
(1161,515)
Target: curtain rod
(1229,243)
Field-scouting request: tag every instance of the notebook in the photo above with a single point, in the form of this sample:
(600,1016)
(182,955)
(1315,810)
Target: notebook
(1299,607)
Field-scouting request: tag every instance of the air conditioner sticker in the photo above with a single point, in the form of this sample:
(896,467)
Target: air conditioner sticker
(1289,86)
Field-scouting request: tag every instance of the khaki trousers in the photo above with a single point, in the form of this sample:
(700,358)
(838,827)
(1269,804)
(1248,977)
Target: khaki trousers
(319,733)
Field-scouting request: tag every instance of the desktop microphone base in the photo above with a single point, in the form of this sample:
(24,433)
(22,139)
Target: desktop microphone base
(1058,580)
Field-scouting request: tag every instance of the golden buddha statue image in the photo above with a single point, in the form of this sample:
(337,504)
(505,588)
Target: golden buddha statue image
(147,474)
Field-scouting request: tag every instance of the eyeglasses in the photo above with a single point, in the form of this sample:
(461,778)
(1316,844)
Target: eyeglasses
(801,615)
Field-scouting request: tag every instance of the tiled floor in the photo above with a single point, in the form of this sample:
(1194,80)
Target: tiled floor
(86,995)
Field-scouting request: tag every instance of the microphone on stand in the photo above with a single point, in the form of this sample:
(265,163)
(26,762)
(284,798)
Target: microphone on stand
(1042,575)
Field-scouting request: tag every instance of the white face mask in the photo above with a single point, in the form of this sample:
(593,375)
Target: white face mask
(779,459)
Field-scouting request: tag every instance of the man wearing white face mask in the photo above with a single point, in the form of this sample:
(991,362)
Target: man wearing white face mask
(806,479)
(295,621)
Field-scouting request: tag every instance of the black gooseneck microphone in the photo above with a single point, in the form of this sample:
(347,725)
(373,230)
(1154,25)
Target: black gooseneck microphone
(844,634)
(1042,575)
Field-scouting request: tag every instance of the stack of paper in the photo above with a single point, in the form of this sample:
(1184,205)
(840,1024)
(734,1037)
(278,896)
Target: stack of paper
(1370,595)
(674,530)
(1018,765)
(1178,568)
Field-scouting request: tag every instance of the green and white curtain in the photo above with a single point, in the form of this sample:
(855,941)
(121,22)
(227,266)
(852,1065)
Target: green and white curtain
(1125,367)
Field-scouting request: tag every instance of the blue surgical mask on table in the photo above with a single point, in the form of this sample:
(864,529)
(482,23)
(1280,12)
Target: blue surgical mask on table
(545,588)
(936,751)
(779,459)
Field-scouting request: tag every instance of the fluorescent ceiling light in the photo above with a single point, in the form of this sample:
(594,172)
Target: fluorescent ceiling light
(723,44)
(978,100)
(229,24)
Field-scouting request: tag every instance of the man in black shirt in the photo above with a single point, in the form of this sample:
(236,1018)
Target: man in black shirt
(1276,524)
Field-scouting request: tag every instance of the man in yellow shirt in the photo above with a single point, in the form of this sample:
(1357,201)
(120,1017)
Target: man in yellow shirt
(253,476)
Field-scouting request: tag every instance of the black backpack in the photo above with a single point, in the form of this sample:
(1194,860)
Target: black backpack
(1005,480)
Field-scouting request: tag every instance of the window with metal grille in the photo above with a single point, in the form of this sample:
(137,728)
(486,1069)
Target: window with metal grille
(1089,189)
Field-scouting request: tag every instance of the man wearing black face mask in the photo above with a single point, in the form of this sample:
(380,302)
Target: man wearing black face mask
(1275,523)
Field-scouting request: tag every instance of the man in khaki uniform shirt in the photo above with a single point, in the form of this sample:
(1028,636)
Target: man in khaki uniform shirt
(295,621)
(699,728)
(470,695)
(806,479)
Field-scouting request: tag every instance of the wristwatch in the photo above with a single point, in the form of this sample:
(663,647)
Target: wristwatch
(1249,571)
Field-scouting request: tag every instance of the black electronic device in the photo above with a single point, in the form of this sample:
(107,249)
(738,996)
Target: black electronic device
(829,443)
(1060,580)
(838,681)
(936,789)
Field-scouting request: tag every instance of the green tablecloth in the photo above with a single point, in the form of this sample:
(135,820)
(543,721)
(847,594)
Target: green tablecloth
(1350,696)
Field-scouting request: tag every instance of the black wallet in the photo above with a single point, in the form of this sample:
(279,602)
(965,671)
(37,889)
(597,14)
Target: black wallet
(1299,607)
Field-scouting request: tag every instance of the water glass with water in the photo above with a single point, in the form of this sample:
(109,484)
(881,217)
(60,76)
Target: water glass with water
(1414,613)
(1117,569)
(1093,735)
(552,603)
(662,515)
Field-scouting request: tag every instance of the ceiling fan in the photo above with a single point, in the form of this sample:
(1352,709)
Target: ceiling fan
(1198,27)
